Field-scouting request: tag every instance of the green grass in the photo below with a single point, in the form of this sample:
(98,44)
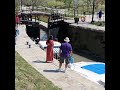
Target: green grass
(44,18)
(28,78)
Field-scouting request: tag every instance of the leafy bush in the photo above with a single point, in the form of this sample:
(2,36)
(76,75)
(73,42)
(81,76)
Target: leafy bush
(99,23)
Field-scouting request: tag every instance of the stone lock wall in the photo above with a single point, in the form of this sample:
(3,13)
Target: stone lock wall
(87,39)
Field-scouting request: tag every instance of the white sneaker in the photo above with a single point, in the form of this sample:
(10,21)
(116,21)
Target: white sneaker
(58,70)
(64,71)
(69,65)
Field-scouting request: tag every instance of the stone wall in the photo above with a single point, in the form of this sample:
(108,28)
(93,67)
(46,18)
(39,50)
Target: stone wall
(87,39)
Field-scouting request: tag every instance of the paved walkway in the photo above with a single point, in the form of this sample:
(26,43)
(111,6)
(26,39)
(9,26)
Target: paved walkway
(85,24)
(36,58)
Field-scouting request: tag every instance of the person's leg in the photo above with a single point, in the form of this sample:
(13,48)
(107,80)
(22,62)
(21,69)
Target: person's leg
(100,17)
(60,65)
(66,63)
(60,62)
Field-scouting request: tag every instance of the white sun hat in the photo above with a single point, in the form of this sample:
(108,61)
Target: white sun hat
(66,39)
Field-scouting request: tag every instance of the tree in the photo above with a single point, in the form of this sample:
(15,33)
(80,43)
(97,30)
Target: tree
(17,4)
(68,3)
(55,4)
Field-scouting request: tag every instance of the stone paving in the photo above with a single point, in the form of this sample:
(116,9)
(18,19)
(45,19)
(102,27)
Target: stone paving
(36,57)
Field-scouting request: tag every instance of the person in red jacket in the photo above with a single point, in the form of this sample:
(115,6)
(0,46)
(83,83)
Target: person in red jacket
(17,20)
(49,52)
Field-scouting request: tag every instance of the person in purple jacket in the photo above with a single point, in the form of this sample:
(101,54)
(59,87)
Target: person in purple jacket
(65,53)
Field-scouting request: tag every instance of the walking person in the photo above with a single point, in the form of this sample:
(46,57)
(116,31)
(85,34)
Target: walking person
(17,20)
(16,33)
(100,14)
(49,52)
(65,53)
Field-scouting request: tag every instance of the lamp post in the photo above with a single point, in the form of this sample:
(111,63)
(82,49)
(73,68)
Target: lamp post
(75,5)
(76,19)
(21,5)
(93,11)
(32,5)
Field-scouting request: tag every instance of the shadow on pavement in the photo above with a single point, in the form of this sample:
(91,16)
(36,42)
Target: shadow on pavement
(38,61)
(55,71)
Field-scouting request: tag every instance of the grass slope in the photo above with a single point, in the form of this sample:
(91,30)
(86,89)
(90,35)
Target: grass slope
(27,78)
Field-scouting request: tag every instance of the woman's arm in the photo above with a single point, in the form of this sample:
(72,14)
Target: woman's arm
(47,42)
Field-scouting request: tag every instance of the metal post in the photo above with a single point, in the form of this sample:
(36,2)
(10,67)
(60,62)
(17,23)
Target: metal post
(32,5)
(93,11)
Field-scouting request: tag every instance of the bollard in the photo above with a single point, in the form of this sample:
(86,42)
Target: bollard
(27,42)
(29,45)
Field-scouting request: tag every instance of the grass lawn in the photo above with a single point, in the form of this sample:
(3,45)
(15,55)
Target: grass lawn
(44,18)
(28,78)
